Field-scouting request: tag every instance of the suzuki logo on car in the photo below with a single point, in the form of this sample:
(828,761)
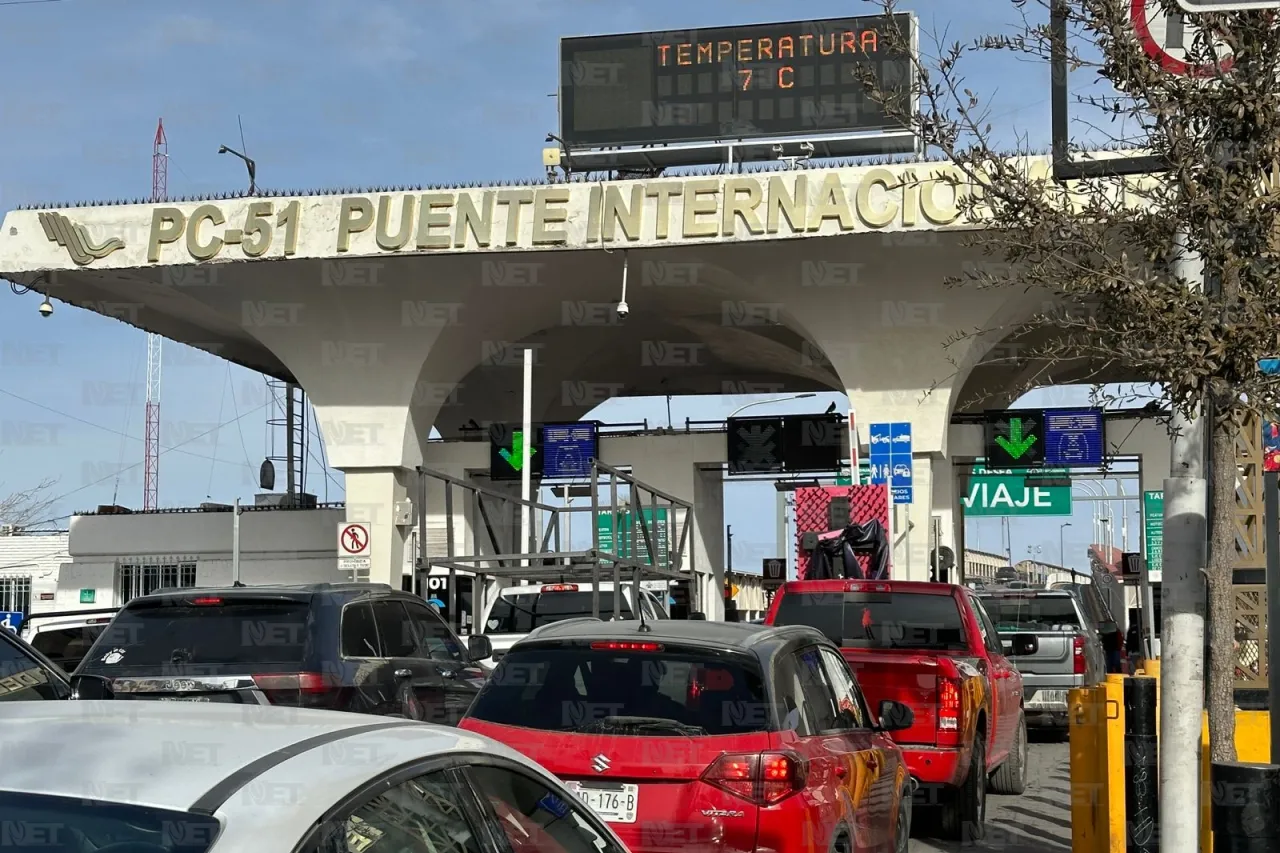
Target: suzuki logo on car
(600,763)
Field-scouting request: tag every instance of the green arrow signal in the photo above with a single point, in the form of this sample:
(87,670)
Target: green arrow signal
(515,456)
(1016,444)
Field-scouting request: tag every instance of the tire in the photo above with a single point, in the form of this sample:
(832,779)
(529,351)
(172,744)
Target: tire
(964,815)
(1011,777)
(902,826)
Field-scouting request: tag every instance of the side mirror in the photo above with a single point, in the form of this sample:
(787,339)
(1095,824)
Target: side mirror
(479,647)
(91,687)
(894,716)
(698,616)
(1025,644)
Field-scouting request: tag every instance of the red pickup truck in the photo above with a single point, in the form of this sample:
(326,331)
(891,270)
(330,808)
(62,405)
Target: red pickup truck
(933,648)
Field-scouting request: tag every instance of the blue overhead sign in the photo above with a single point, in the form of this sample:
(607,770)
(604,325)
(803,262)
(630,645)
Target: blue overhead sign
(10,619)
(891,459)
(1073,438)
(568,450)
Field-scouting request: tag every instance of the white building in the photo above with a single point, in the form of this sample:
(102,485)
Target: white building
(29,564)
(115,557)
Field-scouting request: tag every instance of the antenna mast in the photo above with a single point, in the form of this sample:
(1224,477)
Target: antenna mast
(151,440)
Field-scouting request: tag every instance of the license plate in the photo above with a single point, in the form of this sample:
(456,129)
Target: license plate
(1048,697)
(613,803)
(185,699)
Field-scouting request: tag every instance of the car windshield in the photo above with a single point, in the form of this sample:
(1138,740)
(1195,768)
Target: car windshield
(520,614)
(1032,612)
(661,693)
(878,620)
(37,823)
(161,633)
(67,646)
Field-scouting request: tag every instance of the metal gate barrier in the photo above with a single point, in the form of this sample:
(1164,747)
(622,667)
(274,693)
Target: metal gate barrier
(543,559)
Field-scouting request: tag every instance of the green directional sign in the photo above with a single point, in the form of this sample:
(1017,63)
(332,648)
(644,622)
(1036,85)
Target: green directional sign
(994,492)
(506,452)
(1153,526)
(625,526)
(1015,438)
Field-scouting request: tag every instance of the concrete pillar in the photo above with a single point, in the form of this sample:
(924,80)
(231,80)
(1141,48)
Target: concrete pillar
(709,538)
(372,494)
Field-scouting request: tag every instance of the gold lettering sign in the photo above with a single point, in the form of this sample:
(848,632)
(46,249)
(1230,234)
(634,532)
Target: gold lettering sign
(743,206)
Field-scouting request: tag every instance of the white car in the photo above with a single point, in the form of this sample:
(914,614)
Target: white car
(517,610)
(170,777)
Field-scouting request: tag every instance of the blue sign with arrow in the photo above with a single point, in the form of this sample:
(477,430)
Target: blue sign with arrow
(891,459)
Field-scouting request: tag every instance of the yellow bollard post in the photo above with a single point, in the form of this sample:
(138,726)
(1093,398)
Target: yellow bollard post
(1090,805)
(1114,775)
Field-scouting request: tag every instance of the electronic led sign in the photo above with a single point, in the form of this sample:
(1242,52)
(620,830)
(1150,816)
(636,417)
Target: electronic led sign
(732,83)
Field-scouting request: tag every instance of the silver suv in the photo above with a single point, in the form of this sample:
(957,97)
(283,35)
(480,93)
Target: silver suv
(1070,652)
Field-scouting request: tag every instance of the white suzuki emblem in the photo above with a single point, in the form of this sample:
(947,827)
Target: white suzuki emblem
(600,763)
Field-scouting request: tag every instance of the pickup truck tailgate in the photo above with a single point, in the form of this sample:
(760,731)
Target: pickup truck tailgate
(907,677)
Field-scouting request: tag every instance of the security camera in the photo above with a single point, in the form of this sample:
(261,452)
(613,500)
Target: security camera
(623,310)
(46,308)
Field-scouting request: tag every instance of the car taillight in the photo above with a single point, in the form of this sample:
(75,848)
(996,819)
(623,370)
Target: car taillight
(206,600)
(560,587)
(949,709)
(763,778)
(1077,654)
(618,646)
(295,688)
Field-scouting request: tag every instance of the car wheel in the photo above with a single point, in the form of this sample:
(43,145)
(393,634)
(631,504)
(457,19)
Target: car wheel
(964,815)
(1011,777)
(902,829)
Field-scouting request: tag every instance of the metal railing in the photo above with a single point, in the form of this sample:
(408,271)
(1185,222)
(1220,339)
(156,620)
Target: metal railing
(548,556)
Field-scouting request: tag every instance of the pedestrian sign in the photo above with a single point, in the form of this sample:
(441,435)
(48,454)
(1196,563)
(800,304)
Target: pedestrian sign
(891,462)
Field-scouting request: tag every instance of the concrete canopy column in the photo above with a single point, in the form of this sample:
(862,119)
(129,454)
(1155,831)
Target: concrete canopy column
(372,494)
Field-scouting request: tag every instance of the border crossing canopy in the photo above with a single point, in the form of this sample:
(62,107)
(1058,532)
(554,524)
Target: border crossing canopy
(1202,6)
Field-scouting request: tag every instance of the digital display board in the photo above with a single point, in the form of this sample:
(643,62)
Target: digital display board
(506,452)
(732,83)
(787,444)
(568,450)
(812,442)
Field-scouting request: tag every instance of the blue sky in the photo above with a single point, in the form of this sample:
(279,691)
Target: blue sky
(331,94)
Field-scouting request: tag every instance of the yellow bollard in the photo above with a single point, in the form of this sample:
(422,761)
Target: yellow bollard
(1113,728)
(1090,799)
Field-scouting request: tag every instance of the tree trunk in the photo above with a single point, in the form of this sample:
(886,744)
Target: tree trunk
(1221,622)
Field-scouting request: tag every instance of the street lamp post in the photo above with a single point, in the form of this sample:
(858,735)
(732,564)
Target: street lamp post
(805,396)
(1062,552)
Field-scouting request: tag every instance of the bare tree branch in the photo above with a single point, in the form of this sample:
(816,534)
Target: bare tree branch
(1098,253)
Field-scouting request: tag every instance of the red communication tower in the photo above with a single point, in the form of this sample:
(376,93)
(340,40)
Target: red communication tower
(151,439)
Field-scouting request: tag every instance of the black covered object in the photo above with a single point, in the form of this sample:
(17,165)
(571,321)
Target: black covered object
(836,556)
(1246,807)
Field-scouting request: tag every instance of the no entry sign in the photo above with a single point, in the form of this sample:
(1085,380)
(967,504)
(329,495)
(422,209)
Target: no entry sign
(353,549)
(1165,34)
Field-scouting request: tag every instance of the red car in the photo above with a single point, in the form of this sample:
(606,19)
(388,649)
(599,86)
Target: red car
(932,647)
(706,736)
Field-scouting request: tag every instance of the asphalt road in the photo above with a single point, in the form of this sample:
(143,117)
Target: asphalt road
(1039,821)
